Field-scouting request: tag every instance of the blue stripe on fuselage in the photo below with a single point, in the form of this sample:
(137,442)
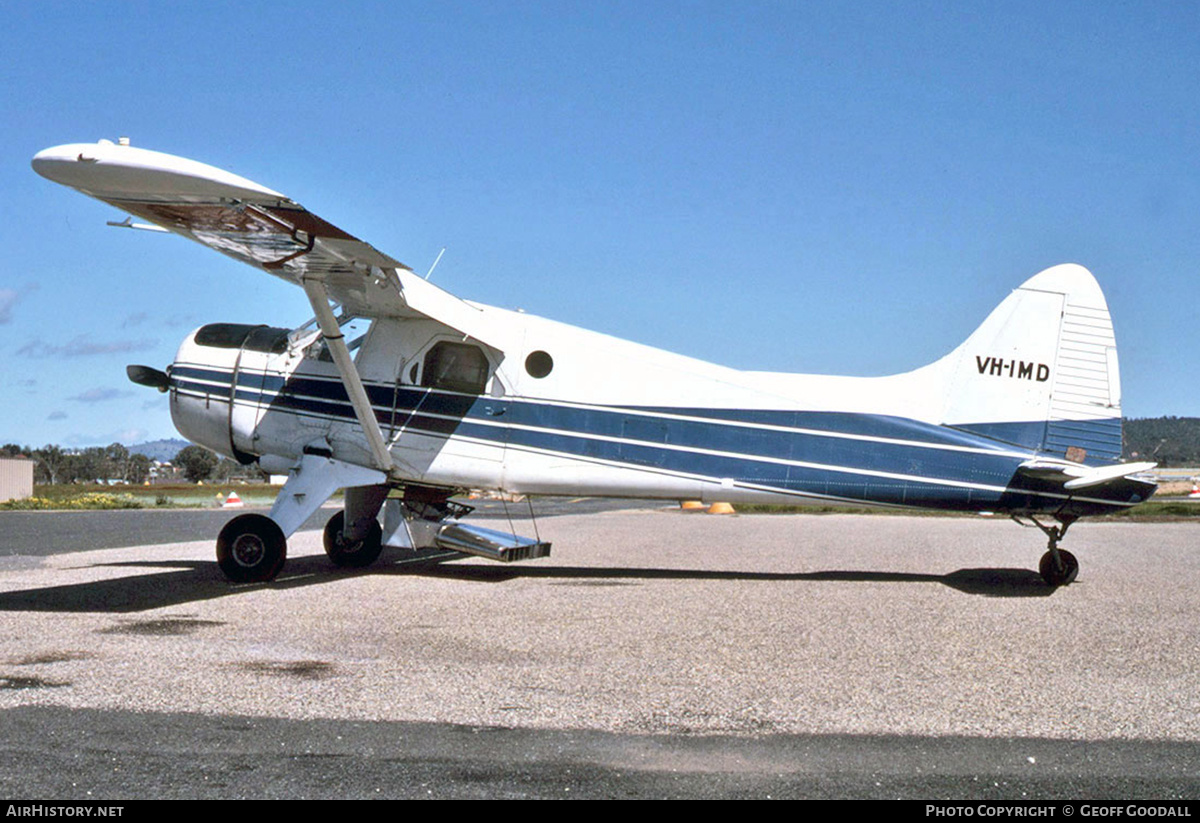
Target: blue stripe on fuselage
(835,454)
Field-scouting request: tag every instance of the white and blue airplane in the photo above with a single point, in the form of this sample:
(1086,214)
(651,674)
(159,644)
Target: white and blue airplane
(441,395)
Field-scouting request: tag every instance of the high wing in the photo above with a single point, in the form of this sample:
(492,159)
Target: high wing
(256,225)
(262,227)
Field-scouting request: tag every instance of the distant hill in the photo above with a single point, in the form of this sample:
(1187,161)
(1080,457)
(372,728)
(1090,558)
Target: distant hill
(162,450)
(1169,441)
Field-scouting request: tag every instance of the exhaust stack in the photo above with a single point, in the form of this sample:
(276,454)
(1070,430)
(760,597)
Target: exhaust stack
(490,544)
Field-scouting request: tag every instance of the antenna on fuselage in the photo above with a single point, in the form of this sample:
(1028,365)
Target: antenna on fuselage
(435,262)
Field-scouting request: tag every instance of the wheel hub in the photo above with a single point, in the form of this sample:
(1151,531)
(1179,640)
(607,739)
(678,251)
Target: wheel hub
(248,550)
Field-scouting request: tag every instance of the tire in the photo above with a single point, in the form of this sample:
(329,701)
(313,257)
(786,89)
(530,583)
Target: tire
(1055,576)
(357,555)
(251,549)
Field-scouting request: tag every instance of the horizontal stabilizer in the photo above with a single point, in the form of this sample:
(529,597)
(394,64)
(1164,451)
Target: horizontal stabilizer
(1077,476)
(1104,474)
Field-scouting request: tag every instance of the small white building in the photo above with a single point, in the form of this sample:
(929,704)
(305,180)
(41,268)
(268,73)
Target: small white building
(16,478)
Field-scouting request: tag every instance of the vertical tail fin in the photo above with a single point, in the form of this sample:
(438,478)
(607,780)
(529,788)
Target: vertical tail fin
(1041,371)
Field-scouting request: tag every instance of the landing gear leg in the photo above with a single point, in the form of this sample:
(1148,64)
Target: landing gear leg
(1058,566)
(353,554)
(353,537)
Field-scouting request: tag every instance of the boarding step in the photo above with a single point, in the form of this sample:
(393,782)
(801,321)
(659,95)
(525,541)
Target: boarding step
(493,545)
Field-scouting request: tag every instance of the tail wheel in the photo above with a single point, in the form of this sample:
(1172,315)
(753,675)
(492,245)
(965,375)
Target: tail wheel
(1060,573)
(251,549)
(352,554)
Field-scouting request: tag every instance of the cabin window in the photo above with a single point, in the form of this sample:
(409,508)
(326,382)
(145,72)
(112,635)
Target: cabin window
(539,364)
(457,367)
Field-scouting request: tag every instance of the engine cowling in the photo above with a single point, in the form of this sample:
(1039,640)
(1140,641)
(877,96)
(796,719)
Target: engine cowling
(215,365)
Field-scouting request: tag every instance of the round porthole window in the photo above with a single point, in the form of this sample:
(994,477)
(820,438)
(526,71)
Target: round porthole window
(539,364)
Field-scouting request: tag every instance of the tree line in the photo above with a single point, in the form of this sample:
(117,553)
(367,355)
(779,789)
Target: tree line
(115,463)
(1168,441)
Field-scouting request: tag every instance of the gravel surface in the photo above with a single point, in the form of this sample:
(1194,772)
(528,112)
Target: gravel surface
(645,623)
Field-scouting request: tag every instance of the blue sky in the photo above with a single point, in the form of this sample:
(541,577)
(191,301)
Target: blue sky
(798,186)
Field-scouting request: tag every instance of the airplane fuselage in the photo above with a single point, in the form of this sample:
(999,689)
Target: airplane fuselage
(639,422)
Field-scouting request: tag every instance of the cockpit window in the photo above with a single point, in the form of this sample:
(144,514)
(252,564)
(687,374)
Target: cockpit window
(320,350)
(355,330)
(457,367)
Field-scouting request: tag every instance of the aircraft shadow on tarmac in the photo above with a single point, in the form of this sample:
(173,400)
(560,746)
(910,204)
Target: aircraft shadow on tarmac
(192,581)
(986,582)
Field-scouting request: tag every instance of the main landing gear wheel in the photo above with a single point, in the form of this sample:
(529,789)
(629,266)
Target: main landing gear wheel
(251,549)
(353,555)
(1060,573)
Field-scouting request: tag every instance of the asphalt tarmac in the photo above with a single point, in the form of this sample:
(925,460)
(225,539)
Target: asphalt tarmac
(654,654)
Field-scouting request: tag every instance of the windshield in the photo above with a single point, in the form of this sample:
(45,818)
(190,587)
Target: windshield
(354,329)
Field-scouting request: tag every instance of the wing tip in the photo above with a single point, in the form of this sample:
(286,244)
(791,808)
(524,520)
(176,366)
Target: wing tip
(121,171)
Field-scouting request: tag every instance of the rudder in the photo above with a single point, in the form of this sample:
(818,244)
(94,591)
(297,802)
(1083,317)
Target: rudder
(1041,371)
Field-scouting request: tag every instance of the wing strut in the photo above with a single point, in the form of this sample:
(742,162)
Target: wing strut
(319,297)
